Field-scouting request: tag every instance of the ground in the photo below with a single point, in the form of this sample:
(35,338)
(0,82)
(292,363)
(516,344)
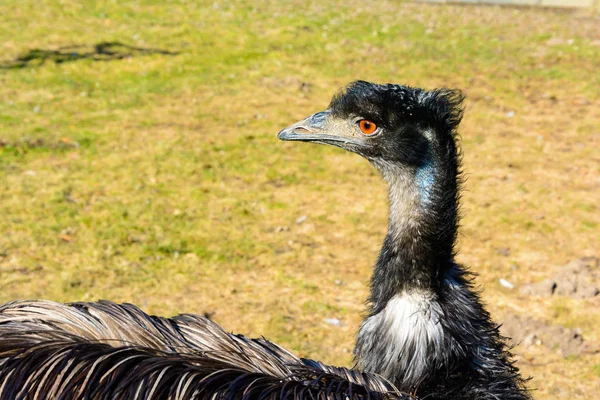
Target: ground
(139,162)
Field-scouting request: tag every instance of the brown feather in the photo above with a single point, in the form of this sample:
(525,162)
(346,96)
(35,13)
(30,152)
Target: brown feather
(106,350)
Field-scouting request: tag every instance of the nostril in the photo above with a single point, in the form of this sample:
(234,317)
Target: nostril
(301,130)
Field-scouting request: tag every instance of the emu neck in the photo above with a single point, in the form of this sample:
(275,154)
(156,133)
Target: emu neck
(418,247)
(402,338)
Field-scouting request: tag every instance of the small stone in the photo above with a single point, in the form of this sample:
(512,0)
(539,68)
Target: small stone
(506,283)
(301,219)
(334,322)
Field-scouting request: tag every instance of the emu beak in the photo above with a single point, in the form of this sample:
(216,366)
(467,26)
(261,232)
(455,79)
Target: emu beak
(322,128)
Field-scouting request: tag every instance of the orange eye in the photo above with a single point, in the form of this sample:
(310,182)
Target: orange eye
(367,127)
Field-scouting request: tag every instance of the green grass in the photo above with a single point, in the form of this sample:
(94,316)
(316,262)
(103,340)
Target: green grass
(157,179)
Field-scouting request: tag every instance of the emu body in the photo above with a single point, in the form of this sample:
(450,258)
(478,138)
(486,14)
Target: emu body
(426,332)
(111,351)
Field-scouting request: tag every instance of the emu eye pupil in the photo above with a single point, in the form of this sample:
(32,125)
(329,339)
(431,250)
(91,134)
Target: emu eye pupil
(367,127)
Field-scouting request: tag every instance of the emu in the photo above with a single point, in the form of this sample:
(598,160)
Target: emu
(426,335)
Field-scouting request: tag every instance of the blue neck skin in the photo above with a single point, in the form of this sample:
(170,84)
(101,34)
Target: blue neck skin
(425,177)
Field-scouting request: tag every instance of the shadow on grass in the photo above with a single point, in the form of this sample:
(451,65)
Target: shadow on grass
(104,51)
(19,148)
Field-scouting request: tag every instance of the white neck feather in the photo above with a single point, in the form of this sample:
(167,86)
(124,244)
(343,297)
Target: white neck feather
(405,338)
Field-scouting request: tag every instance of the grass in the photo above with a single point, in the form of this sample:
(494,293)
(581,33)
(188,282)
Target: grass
(157,179)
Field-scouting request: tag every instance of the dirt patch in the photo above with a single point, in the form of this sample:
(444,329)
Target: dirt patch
(528,332)
(578,279)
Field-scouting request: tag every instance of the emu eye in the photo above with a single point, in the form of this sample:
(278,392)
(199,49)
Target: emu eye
(367,127)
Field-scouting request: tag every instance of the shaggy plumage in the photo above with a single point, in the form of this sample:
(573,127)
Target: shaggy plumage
(426,331)
(104,350)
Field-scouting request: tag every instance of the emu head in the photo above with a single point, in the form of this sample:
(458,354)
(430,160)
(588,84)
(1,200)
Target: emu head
(390,125)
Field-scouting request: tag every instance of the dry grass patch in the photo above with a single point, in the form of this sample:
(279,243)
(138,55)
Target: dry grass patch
(157,179)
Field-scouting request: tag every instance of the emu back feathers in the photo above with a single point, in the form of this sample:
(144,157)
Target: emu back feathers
(105,350)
